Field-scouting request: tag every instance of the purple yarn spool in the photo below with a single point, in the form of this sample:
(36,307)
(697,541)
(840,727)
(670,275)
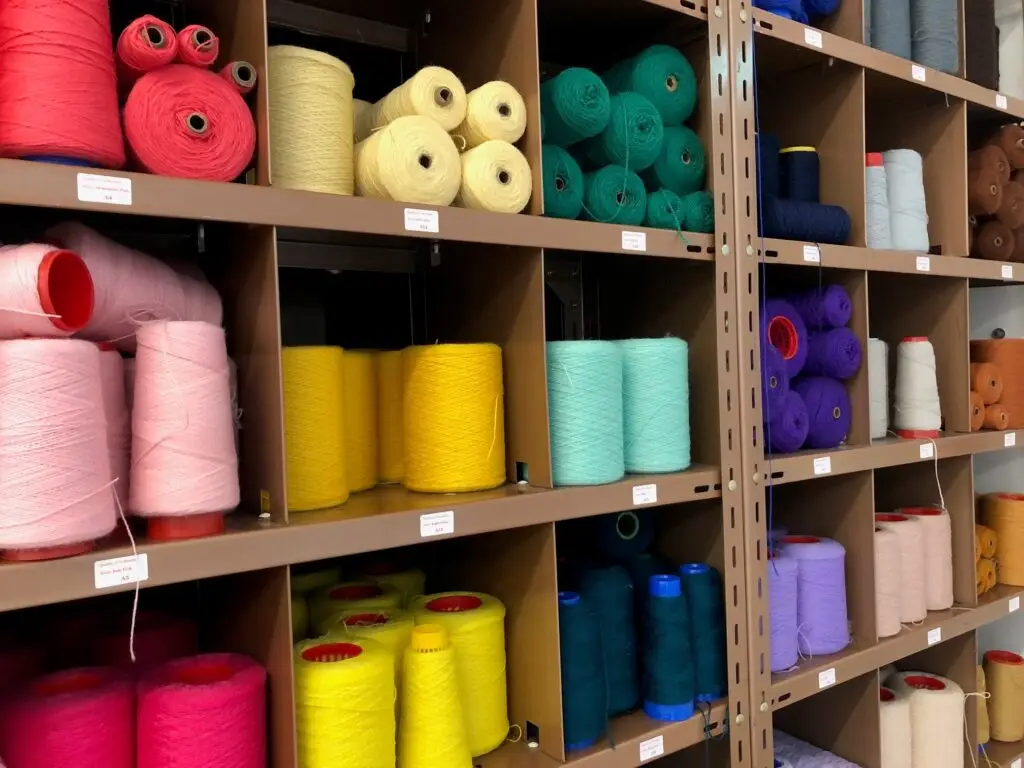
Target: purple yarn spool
(787,430)
(782,612)
(774,380)
(834,353)
(785,330)
(821,594)
(799,754)
(824,308)
(828,410)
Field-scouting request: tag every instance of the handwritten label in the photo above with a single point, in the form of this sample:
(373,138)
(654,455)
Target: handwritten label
(934,636)
(827,678)
(634,241)
(812,37)
(113,190)
(918,73)
(437,524)
(645,494)
(1006,271)
(1000,101)
(1014,605)
(823,465)
(927,451)
(923,264)
(419,220)
(812,254)
(119,571)
(652,748)
(1009,439)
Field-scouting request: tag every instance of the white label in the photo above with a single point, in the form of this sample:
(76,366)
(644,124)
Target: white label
(1014,605)
(823,465)
(113,190)
(917,73)
(437,524)
(1009,439)
(812,37)
(827,678)
(927,451)
(1006,271)
(645,494)
(119,571)
(634,241)
(934,636)
(924,264)
(418,220)
(652,748)
(812,254)
(1000,101)
(1015,763)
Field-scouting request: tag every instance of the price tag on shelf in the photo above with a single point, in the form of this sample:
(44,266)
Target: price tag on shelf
(923,264)
(420,220)
(652,748)
(812,254)
(827,678)
(823,465)
(1009,439)
(437,524)
(1006,271)
(113,190)
(634,241)
(927,450)
(812,37)
(645,494)
(1000,101)
(119,571)
(918,73)
(934,636)
(1014,605)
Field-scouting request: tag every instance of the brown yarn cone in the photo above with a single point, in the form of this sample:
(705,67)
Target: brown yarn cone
(1011,209)
(1008,355)
(1018,245)
(987,381)
(984,192)
(994,241)
(996,417)
(977,412)
(992,158)
(1010,139)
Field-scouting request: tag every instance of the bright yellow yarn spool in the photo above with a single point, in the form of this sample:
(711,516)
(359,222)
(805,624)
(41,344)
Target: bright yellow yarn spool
(360,397)
(495,177)
(433,92)
(310,120)
(495,110)
(300,618)
(328,602)
(303,582)
(390,391)
(391,627)
(475,623)
(454,418)
(314,427)
(1004,514)
(411,160)
(432,728)
(344,704)
(410,582)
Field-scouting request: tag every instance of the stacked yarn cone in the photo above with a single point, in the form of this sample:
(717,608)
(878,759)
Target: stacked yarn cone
(995,188)
(985,545)
(617,150)
(988,411)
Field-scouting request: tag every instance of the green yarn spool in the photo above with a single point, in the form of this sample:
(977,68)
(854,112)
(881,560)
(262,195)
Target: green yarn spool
(680,164)
(664,76)
(698,212)
(664,210)
(633,137)
(575,105)
(614,195)
(563,183)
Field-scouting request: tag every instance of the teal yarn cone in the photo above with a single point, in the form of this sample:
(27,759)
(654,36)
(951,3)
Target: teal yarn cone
(575,105)
(584,691)
(664,210)
(640,569)
(656,404)
(609,593)
(613,195)
(680,164)
(664,76)
(633,136)
(705,600)
(699,212)
(668,674)
(585,412)
(563,183)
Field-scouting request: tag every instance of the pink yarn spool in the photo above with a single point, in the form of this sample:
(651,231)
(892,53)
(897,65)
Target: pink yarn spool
(184,464)
(159,637)
(203,711)
(54,466)
(80,717)
(115,413)
(133,288)
(44,292)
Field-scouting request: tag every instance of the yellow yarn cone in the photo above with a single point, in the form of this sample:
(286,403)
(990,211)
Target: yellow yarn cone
(327,603)
(434,93)
(390,392)
(360,406)
(495,110)
(495,177)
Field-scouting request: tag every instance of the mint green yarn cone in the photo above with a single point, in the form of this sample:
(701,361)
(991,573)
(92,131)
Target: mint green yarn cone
(614,195)
(633,136)
(663,75)
(563,183)
(656,404)
(585,409)
(575,105)
(698,212)
(664,210)
(680,163)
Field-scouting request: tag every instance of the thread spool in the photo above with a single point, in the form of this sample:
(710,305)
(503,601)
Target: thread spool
(661,74)
(390,418)
(300,618)
(664,210)
(1004,675)
(699,212)
(669,682)
(878,387)
(935,40)
(434,93)
(936,718)
(888,572)
(798,174)
(977,412)
(305,581)
(994,241)
(359,401)
(454,418)
(476,628)
(789,425)
(410,160)
(983,721)
(985,540)
(147,43)
(878,230)
(990,157)
(835,353)
(563,183)
(829,411)
(908,220)
(494,111)
(622,536)
(1010,139)
(633,137)
(46,292)
(987,381)
(890,26)
(996,417)
(1011,207)
(984,192)
(118,423)
(705,601)
(911,586)
(1004,514)
(1008,356)
(614,195)
(641,568)
(327,603)
(495,177)
(821,593)
(917,411)
(782,611)
(937,532)
(896,730)
(609,593)
(986,576)
(241,75)
(584,693)
(785,330)
(797,220)
(575,105)
(391,627)
(774,379)
(409,581)
(585,412)
(198,46)
(823,308)
(311,120)
(344,704)
(679,165)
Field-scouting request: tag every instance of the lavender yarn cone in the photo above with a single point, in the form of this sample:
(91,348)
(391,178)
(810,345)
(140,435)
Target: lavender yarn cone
(835,353)
(824,308)
(799,754)
(828,410)
(821,593)
(788,426)
(784,329)
(774,380)
(782,611)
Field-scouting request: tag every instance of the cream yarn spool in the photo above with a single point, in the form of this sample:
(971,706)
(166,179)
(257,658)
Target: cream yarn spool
(411,160)
(433,92)
(894,715)
(359,108)
(916,409)
(878,388)
(310,120)
(495,110)
(887,582)
(913,605)
(495,177)
(936,718)
(938,555)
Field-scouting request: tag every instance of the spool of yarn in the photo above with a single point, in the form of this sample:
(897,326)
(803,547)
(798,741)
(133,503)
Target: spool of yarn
(410,160)
(391,627)
(476,627)
(44,292)
(828,410)
(821,593)
(890,26)
(911,586)
(896,730)
(984,192)
(1004,676)
(985,575)
(916,409)
(664,210)
(987,381)
(789,425)
(991,158)
(633,137)
(184,464)
(1011,207)
(774,380)
(1004,514)
(835,353)
(705,602)
(344,704)
(797,220)
(935,40)
(782,611)
(983,721)
(495,177)
(390,417)
(326,604)
(641,568)
(824,307)
(800,754)
(82,717)
(614,195)
(585,412)
(994,241)
(622,536)
(454,418)
(937,531)
(996,417)
(1010,139)
(1008,356)
(118,423)
(146,44)
(661,74)
(434,93)
(888,572)
(195,710)
(563,183)
(584,695)
(609,593)
(936,718)
(668,664)
(359,415)
(198,46)
(409,581)
(575,105)
(767,166)
(300,618)
(904,175)
(241,75)
(305,581)
(494,111)
(878,387)
(699,212)
(985,541)
(798,174)
(977,412)
(679,165)
(878,230)
(784,329)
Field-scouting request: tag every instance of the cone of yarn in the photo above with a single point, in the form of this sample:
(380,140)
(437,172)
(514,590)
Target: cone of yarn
(241,75)
(83,717)
(614,195)
(782,610)
(198,46)
(679,165)
(829,411)
(158,637)
(44,292)
(327,603)
(409,581)
(984,575)
(977,411)
(1004,514)
(663,75)
(983,721)
(410,160)
(835,353)
(146,44)
(878,226)
(878,387)
(495,110)
(390,394)
(784,329)
(699,212)
(917,412)
(788,426)
(936,718)
(994,241)
(908,213)
(896,729)
(984,192)
(359,398)
(391,627)
(996,417)
(1011,207)
(495,177)
(575,105)
(311,120)
(664,210)
(821,593)
(633,137)
(1004,677)
(937,530)
(1008,356)
(824,308)
(888,572)
(584,688)
(985,541)
(434,93)
(774,380)
(990,157)
(118,422)
(305,581)
(300,618)
(911,584)
(563,183)
(1010,139)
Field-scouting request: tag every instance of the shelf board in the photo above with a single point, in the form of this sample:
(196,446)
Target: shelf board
(697,10)
(1004,753)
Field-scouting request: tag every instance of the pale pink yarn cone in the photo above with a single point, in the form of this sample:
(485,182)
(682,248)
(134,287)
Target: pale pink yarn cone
(119,428)
(44,292)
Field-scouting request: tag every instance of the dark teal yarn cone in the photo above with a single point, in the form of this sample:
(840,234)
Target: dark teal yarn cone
(575,105)
(563,183)
(680,163)
(609,592)
(584,692)
(664,210)
(614,195)
(633,137)
(669,684)
(698,212)
(664,76)
(640,569)
(705,600)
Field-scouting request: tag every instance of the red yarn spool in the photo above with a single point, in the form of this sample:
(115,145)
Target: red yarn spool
(159,637)
(57,80)
(198,46)
(146,44)
(190,123)
(241,75)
